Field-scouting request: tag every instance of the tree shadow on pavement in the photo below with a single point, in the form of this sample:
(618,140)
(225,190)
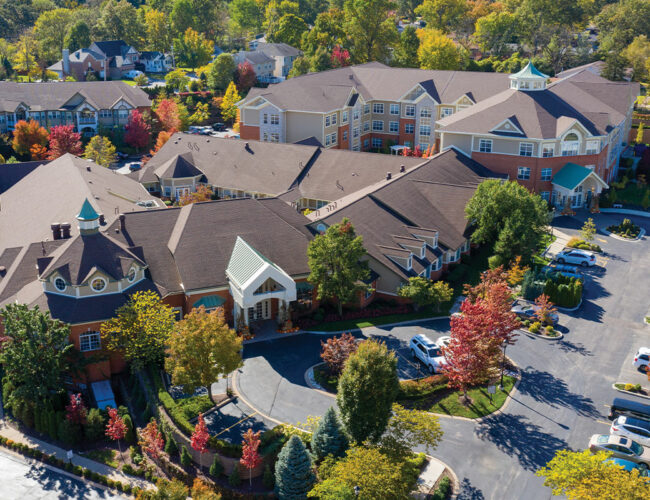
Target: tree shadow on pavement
(546,388)
(516,436)
(66,487)
(469,492)
(570,347)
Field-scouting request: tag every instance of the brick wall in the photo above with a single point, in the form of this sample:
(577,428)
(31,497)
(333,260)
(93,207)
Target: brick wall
(251,132)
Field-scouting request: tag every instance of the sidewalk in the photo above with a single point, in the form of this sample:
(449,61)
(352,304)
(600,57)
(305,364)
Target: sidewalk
(50,449)
(558,245)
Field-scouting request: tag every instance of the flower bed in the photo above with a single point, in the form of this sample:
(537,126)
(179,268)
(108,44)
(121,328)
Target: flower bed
(626,229)
(583,245)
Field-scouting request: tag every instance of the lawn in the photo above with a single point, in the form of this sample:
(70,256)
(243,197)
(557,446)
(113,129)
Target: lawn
(352,324)
(103,455)
(545,240)
(446,401)
(633,194)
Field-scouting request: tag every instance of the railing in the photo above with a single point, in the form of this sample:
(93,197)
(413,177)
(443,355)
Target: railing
(88,120)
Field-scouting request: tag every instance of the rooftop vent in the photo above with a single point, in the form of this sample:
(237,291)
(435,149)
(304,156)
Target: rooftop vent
(402,168)
(389,176)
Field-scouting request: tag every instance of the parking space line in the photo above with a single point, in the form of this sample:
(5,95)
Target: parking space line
(604,423)
(602,240)
(237,423)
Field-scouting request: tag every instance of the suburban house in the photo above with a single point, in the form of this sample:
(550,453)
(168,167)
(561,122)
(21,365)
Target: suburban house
(113,58)
(306,176)
(283,54)
(156,62)
(263,65)
(86,105)
(504,121)
(42,198)
(412,223)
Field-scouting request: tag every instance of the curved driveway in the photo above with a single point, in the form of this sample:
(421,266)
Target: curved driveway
(560,401)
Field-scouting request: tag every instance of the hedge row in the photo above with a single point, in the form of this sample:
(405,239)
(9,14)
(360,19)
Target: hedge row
(564,291)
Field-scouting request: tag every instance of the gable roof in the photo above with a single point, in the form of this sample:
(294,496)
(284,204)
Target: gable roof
(246,262)
(112,48)
(570,176)
(179,166)
(278,49)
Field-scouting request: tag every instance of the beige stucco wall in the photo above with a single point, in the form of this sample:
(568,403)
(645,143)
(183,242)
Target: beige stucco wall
(250,116)
(461,141)
(303,125)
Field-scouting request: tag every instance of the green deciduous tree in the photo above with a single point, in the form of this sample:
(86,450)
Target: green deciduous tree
(221,72)
(638,54)
(300,66)
(119,20)
(336,265)
(437,50)
(294,476)
(508,216)
(192,48)
(177,80)
(367,389)
(370,29)
(77,36)
(246,15)
(581,475)
(494,31)
(202,349)
(50,30)
(100,150)
(140,329)
(444,15)
(289,30)
(35,350)
(406,54)
(328,31)
(408,429)
(159,36)
(588,230)
(424,292)
(329,438)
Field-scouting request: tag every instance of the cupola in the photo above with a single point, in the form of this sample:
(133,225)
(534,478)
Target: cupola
(88,219)
(528,79)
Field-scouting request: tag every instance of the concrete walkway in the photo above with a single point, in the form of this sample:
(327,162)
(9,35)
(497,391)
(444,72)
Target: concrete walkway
(50,449)
(558,245)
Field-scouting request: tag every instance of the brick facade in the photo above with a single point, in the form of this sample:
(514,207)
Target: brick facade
(251,132)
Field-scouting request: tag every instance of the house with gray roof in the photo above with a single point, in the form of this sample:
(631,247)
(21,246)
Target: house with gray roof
(263,65)
(85,105)
(107,59)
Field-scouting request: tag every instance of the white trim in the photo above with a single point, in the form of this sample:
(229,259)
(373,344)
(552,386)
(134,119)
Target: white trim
(507,120)
(90,284)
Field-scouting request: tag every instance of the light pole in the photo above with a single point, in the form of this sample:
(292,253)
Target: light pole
(503,364)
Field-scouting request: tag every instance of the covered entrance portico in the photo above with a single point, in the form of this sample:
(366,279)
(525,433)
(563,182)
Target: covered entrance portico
(575,186)
(261,289)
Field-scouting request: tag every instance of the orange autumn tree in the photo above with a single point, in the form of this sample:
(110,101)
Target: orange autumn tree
(26,135)
(336,351)
(168,115)
(545,310)
(151,440)
(38,152)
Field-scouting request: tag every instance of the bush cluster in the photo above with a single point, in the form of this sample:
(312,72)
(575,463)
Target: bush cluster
(626,229)
(421,387)
(583,245)
(564,291)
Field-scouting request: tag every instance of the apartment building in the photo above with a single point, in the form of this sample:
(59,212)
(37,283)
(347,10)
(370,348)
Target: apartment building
(86,105)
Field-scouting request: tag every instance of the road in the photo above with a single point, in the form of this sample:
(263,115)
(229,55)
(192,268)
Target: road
(560,401)
(21,480)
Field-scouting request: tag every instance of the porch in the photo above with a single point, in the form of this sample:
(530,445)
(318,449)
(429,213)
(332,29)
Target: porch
(575,186)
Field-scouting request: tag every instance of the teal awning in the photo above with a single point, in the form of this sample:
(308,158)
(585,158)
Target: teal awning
(572,175)
(304,285)
(210,302)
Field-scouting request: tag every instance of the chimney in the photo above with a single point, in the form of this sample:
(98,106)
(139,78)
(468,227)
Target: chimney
(402,168)
(66,62)
(389,176)
(88,168)
(56,231)
(122,222)
(102,219)
(3,270)
(65,230)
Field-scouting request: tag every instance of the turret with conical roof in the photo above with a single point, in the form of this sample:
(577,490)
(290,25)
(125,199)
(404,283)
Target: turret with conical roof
(88,219)
(529,78)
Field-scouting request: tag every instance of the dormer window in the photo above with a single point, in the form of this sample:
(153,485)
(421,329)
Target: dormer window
(60,284)
(422,250)
(98,284)
(410,263)
(132,274)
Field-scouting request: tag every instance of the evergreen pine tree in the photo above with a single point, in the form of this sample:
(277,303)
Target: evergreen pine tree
(216,469)
(171,448)
(294,476)
(186,459)
(129,437)
(52,424)
(328,439)
(234,479)
(268,480)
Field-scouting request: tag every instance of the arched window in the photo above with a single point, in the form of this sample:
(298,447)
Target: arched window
(60,284)
(571,144)
(98,284)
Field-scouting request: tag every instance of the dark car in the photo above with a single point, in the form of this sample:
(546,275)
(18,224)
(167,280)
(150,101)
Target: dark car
(621,406)
(218,127)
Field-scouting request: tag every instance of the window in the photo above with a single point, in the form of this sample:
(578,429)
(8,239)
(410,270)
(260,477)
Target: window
(366,143)
(366,109)
(266,118)
(333,139)
(378,107)
(265,137)
(366,126)
(345,135)
(446,112)
(105,113)
(60,284)
(377,125)
(547,173)
(328,121)
(523,173)
(344,117)
(394,109)
(275,119)
(90,341)
(409,128)
(548,150)
(122,114)
(592,147)
(327,140)
(275,138)
(133,272)
(98,284)
(425,113)
(376,142)
(525,149)
(355,114)
(409,110)
(485,145)
(570,145)
(425,130)
(393,127)
(334,119)
(355,132)
(546,195)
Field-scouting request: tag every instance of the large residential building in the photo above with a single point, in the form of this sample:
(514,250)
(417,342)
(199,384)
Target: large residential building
(86,105)
(283,54)
(107,59)
(521,125)
(263,65)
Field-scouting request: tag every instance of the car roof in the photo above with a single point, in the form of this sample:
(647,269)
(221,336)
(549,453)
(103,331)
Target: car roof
(644,350)
(626,464)
(638,422)
(425,340)
(628,404)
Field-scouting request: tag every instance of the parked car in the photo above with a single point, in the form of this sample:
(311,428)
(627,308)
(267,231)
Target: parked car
(428,352)
(527,311)
(621,447)
(134,73)
(621,406)
(635,428)
(563,270)
(629,466)
(219,127)
(576,256)
(134,165)
(642,359)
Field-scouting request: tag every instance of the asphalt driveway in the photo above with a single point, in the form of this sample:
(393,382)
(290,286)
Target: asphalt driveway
(561,400)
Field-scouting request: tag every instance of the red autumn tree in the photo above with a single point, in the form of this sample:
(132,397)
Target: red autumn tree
(26,134)
(138,131)
(336,351)
(340,57)
(200,438)
(489,277)
(151,440)
(245,76)
(76,411)
(545,309)
(250,456)
(504,322)
(116,428)
(38,152)
(168,115)
(63,139)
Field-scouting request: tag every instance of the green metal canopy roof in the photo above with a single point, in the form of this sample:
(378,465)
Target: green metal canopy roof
(210,302)
(245,261)
(571,176)
(529,71)
(87,212)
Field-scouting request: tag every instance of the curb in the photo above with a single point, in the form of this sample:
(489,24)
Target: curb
(559,336)
(357,329)
(455,488)
(629,392)
(506,402)
(311,381)
(625,211)
(628,240)
(236,392)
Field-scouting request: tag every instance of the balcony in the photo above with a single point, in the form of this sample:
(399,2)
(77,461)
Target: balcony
(86,120)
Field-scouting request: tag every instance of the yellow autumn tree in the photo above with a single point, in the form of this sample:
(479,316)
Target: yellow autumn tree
(437,50)
(201,349)
(229,103)
(516,271)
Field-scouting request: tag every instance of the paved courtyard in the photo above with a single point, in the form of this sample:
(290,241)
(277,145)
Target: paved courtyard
(562,398)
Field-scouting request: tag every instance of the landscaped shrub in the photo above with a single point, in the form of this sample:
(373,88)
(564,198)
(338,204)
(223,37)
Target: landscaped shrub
(564,291)
(95,426)
(550,331)
(216,469)
(420,388)
(234,479)
(129,437)
(531,289)
(186,458)
(171,448)
(443,490)
(576,242)
(68,432)
(457,273)
(535,327)
(268,479)
(626,229)
(495,261)
(526,323)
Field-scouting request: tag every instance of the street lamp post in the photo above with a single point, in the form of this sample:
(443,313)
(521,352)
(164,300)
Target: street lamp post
(503,364)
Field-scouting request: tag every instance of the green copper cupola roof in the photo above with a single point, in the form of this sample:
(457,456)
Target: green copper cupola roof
(529,78)
(529,71)
(87,212)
